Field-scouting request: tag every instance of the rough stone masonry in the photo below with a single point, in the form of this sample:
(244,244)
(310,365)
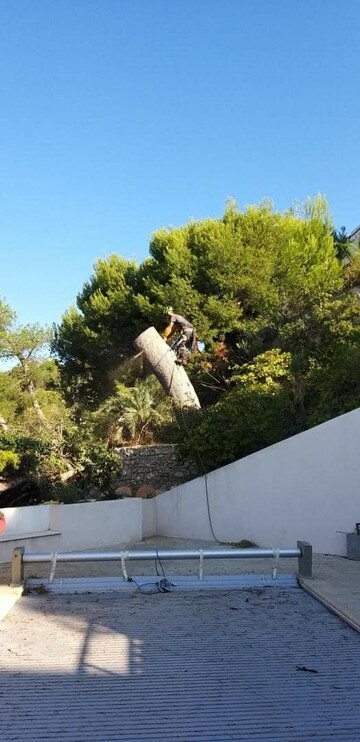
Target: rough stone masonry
(149,470)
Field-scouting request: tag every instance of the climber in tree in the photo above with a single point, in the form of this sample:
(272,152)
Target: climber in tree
(186,342)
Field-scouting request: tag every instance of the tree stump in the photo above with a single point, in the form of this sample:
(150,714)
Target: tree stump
(161,360)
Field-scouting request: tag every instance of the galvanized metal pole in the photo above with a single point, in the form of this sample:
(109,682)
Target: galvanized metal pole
(138,555)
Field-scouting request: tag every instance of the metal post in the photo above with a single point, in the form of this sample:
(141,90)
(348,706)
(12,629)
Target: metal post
(305,559)
(17,566)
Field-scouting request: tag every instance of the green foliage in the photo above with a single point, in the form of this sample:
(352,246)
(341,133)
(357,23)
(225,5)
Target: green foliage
(333,361)
(67,494)
(20,342)
(352,271)
(333,386)
(343,248)
(17,403)
(134,414)
(97,465)
(312,378)
(95,337)
(242,276)
(318,331)
(315,209)
(24,343)
(30,454)
(210,372)
(94,464)
(9,397)
(23,444)
(270,297)
(266,371)
(31,399)
(9,462)
(7,316)
(259,409)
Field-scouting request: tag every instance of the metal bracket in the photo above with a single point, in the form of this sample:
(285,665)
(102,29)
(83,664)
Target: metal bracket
(53,566)
(17,566)
(276,557)
(201,564)
(123,556)
(305,559)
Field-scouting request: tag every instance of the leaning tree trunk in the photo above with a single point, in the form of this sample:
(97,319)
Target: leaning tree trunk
(41,417)
(161,359)
(3,425)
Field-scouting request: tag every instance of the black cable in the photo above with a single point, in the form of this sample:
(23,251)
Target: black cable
(162,568)
(202,466)
(171,380)
(163,356)
(146,584)
(161,586)
(198,457)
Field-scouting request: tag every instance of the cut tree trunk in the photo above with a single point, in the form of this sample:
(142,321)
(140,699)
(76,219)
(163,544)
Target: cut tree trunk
(161,360)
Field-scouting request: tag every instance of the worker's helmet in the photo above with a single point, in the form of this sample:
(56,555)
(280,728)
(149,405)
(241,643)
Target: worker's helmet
(169,310)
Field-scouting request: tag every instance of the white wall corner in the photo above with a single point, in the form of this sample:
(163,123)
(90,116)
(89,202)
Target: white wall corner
(55,516)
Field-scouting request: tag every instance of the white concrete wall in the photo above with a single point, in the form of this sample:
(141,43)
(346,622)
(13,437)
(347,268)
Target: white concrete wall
(306,487)
(26,519)
(71,527)
(148,518)
(96,524)
(24,523)
(42,543)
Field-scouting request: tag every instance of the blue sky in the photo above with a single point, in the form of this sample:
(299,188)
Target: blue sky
(119,117)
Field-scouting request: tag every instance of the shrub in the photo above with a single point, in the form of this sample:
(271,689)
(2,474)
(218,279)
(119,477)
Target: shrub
(259,410)
(9,462)
(30,452)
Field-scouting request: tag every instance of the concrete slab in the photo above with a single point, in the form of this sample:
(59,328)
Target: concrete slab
(8,597)
(336,583)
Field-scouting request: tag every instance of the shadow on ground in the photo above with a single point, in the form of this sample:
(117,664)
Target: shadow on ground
(259,665)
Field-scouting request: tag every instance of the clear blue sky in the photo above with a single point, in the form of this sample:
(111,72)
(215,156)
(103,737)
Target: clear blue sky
(119,117)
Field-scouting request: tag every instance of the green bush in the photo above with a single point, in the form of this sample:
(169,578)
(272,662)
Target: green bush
(9,462)
(241,423)
(30,451)
(97,465)
(278,395)
(259,410)
(333,385)
(67,494)
(352,271)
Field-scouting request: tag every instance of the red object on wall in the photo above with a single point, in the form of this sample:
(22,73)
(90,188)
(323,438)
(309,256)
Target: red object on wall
(2,522)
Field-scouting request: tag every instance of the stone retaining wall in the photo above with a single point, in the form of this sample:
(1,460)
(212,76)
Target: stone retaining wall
(149,470)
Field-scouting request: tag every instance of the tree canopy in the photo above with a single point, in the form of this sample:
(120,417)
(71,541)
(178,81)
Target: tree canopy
(241,277)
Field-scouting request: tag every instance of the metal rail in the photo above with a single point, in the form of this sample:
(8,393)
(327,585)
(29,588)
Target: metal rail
(114,556)
(303,552)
